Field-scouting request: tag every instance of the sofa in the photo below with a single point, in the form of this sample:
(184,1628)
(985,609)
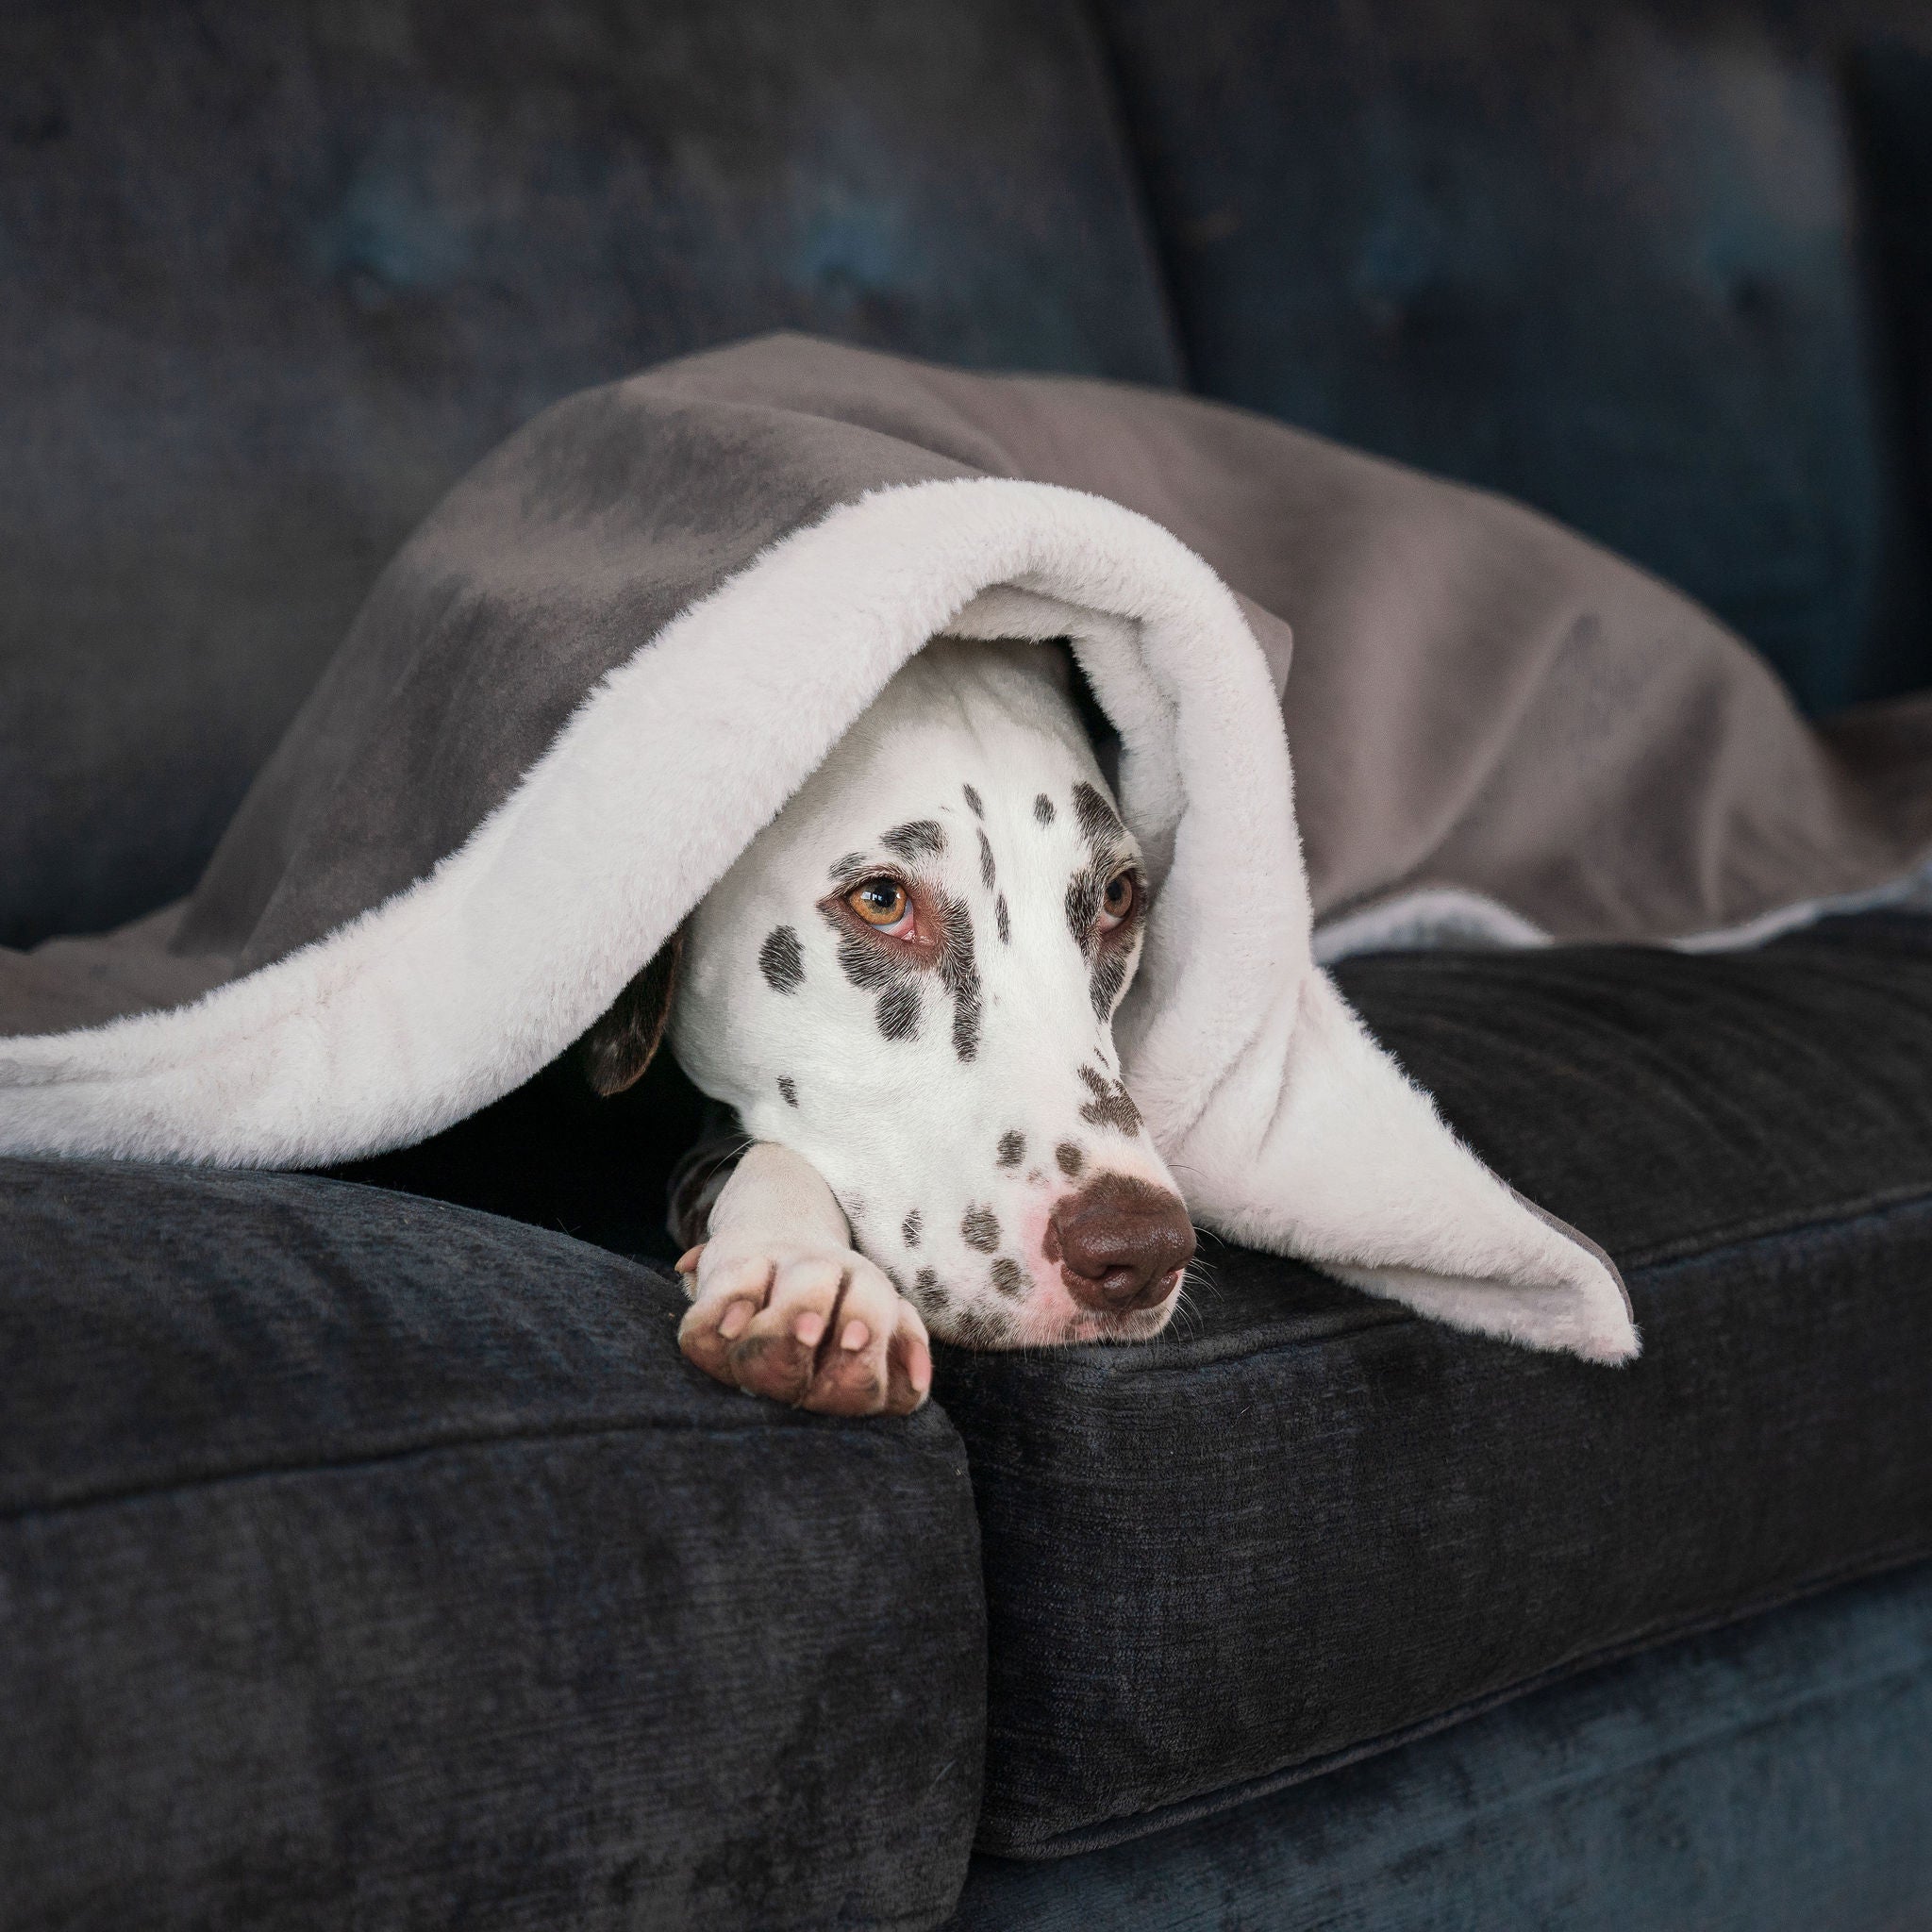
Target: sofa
(370,1557)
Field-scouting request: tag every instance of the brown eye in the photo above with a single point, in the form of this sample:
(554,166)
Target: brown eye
(1117,901)
(879,902)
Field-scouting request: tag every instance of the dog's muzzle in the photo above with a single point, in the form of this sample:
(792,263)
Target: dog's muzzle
(1120,1243)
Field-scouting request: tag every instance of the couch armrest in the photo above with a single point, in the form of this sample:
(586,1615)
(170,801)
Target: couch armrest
(368,1560)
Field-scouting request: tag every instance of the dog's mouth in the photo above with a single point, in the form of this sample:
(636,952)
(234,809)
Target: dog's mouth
(1135,1324)
(965,1328)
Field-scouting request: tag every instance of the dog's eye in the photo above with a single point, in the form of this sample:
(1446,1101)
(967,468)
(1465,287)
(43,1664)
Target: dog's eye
(1117,901)
(880,902)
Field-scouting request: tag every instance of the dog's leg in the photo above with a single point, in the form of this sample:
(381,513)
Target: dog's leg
(782,1306)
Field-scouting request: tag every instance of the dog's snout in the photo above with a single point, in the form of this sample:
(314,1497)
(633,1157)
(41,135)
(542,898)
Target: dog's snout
(1118,1240)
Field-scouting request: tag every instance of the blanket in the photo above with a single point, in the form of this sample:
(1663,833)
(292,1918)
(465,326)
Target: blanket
(619,645)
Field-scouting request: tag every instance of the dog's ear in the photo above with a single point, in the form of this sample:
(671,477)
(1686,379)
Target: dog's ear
(615,1051)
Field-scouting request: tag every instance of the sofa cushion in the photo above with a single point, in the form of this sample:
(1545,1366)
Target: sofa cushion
(277,275)
(1306,1524)
(1773,1776)
(365,1560)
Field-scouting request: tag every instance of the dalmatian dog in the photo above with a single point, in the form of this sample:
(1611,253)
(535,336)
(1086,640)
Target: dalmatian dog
(905,992)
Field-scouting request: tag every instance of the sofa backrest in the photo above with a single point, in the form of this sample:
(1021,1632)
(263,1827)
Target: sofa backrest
(1663,270)
(276,273)
(272,274)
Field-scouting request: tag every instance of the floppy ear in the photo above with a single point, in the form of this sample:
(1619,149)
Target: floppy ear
(1325,1150)
(615,1051)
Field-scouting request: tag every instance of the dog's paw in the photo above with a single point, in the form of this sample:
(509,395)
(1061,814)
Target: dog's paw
(819,1327)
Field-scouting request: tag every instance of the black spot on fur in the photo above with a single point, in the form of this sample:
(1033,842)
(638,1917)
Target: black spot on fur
(781,959)
(1110,1105)
(925,1286)
(862,964)
(865,965)
(973,801)
(1043,809)
(986,871)
(1071,1159)
(789,1088)
(1082,903)
(979,1227)
(910,1227)
(1012,1147)
(960,975)
(848,871)
(871,969)
(898,1011)
(1100,825)
(1110,975)
(1003,920)
(1009,1277)
(921,839)
(985,1327)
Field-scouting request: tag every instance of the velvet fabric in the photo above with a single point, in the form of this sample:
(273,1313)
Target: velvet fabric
(1658,270)
(1302,1524)
(1773,1777)
(365,1561)
(277,273)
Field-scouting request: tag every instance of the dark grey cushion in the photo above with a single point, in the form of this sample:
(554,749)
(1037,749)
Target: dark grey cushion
(369,1561)
(1661,271)
(276,274)
(1306,1523)
(1772,1776)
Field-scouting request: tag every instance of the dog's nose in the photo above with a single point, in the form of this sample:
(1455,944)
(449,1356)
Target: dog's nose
(1118,1240)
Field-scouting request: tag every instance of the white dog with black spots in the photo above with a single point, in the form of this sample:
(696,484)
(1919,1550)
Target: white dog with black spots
(905,989)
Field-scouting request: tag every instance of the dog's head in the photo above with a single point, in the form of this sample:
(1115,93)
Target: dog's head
(911,979)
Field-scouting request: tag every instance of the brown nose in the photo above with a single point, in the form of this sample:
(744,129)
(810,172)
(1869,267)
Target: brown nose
(1117,1242)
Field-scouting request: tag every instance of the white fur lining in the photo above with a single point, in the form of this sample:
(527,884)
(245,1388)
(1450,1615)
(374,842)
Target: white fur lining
(1282,1119)
(1429,916)
(1432,916)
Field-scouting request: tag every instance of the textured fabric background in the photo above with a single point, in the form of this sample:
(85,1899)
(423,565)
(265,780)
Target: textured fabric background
(1301,1521)
(276,274)
(1662,270)
(364,1561)
(279,274)
(1768,1777)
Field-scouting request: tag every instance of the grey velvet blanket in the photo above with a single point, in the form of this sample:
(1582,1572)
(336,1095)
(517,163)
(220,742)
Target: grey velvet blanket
(619,645)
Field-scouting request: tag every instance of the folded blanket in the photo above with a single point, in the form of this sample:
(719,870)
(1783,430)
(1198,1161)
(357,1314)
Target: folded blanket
(623,641)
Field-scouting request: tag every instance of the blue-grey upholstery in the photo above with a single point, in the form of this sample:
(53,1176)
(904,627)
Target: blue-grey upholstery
(276,275)
(1767,1777)
(1661,271)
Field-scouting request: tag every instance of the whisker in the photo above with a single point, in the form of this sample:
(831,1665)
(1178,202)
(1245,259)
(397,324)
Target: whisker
(1187,1318)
